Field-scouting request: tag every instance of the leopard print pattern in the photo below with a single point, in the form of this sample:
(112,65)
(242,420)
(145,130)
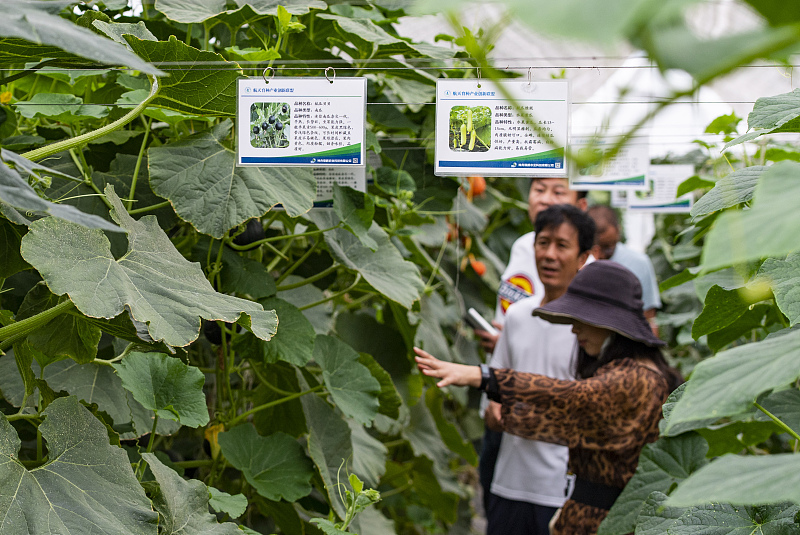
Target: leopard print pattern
(605,420)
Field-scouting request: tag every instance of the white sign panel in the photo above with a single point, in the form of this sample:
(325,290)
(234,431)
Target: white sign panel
(479,131)
(354,177)
(627,170)
(662,195)
(301,121)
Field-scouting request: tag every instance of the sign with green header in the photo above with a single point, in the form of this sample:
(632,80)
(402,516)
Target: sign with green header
(627,170)
(482,128)
(301,121)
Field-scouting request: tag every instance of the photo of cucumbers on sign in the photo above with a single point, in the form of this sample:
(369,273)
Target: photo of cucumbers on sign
(269,125)
(470,128)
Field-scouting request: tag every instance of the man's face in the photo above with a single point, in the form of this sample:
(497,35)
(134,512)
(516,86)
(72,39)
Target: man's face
(557,255)
(605,242)
(546,192)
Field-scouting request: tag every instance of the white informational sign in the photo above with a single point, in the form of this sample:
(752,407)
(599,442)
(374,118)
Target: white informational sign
(479,131)
(354,177)
(627,170)
(662,195)
(301,121)
(619,198)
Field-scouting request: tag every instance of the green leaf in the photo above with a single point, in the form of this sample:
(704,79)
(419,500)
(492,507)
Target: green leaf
(753,318)
(199,176)
(721,308)
(319,315)
(10,238)
(191,91)
(327,527)
(388,398)
(778,113)
(734,189)
(240,274)
(449,432)
(166,386)
(658,517)
(693,183)
(748,480)
(191,11)
(19,19)
(352,386)
(736,436)
(116,30)
(393,181)
(232,505)
(783,276)
(293,343)
(183,505)
(153,279)
(356,210)
(86,485)
(728,383)
(60,107)
(270,7)
(329,445)
(66,336)
(384,269)
(275,465)
(369,455)
(767,229)
(785,405)
(16,192)
(661,465)
(372,522)
(286,417)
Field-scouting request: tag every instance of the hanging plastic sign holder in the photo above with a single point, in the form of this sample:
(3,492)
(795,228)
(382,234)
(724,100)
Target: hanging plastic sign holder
(301,121)
(479,131)
(354,177)
(662,196)
(627,170)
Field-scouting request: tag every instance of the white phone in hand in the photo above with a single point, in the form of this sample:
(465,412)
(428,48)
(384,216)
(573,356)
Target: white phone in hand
(476,321)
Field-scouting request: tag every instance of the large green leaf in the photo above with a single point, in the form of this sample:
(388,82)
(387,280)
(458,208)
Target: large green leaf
(116,30)
(66,336)
(661,465)
(192,91)
(270,7)
(743,480)
(356,210)
(200,178)
(352,386)
(784,276)
(86,486)
(721,308)
(190,10)
(60,107)
(384,269)
(16,192)
(369,455)
(153,279)
(293,343)
(657,518)
(329,445)
(767,229)
(275,466)
(183,505)
(166,386)
(10,237)
(449,432)
(772,114)
(91,383)
(20,19)
(389,399)
(728,383)
(785,405)
(736,188)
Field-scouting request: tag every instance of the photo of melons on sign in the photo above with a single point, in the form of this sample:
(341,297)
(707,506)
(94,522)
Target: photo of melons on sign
(501,128)
(592,167)
(312,122)
(662,194)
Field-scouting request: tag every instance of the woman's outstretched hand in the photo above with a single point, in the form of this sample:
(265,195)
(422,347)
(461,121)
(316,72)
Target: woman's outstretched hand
(450,373)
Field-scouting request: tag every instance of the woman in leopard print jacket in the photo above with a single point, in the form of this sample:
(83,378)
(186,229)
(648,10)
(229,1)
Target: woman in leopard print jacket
(608,414)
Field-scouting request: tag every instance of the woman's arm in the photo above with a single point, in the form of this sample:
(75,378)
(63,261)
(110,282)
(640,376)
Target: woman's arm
(450,373)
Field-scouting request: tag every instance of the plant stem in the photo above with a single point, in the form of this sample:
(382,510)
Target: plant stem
(132,193)
(279,238)
(49,150)
(778,421)
(141,467)
(297,264)
(28,325)
(244,415)
(322,274)
(331,297)
(149,208)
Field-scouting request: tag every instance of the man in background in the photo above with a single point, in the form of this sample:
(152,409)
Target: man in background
(608,247)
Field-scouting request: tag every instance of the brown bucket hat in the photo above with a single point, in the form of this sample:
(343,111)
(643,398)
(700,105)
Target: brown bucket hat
(607,295)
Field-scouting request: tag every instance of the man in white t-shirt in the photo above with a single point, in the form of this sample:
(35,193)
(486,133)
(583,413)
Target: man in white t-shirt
(608,247)
(530,477)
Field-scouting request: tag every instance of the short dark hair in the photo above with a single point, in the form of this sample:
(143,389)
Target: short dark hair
(604,213)
(554,216)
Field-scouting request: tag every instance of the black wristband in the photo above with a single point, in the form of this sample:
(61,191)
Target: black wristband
(485,375)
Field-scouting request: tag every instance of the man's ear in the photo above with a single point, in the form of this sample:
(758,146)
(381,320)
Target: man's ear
(584,256)
(583,204)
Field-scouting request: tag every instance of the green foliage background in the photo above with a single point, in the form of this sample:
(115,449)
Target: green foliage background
(173,343)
